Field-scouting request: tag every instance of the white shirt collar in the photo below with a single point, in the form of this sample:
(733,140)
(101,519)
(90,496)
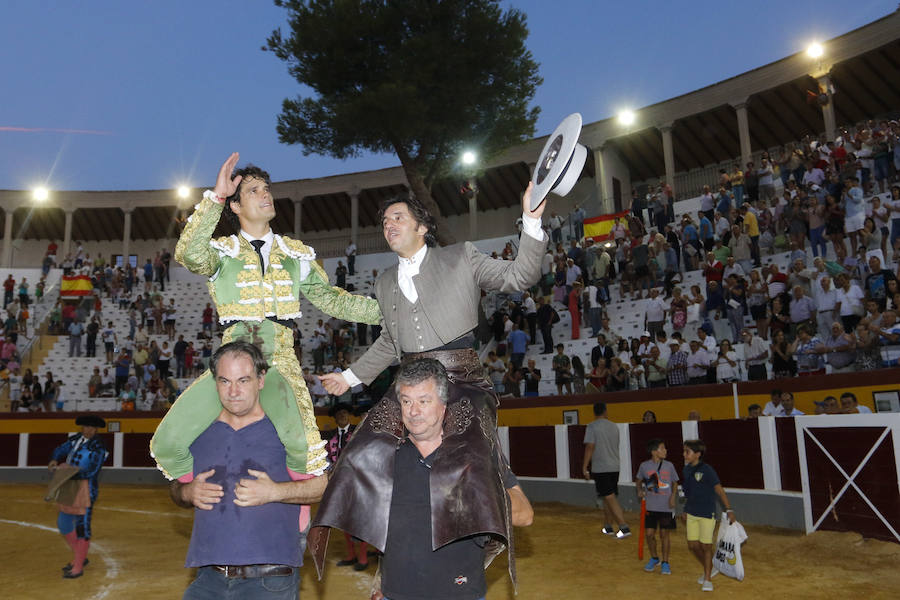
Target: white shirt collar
(266,248)
(409,268)
(415,260)
(269,238)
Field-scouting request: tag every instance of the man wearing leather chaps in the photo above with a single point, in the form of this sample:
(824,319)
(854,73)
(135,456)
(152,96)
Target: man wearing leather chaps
(429,305)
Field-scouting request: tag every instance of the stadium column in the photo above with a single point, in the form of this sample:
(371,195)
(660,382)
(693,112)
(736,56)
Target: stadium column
(600,179)
(298,214)
(668,152)
(825,87)
(354,214)
(740,109)
(67,235)
(126,234)
(473,209)
(7,235)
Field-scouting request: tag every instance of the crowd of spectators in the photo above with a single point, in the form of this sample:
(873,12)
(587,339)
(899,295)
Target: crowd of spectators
(836,304)
(140,372)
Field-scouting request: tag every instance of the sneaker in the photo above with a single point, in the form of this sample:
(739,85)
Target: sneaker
(665,569)
(608,530)
(651,565)
(707,586)
(623,533)
(712,574)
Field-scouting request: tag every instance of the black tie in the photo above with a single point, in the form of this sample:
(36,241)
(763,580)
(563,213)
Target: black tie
(258,244)
(340,439)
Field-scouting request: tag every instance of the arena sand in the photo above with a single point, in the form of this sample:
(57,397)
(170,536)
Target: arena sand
(140,540)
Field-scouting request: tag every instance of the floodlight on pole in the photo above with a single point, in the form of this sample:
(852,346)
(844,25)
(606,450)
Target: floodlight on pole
(469,157)
(183,191)
(815,50)
(626,117)
(40,194)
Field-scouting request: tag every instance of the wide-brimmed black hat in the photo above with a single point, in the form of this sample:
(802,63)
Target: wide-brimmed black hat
(339,407)
(90,421)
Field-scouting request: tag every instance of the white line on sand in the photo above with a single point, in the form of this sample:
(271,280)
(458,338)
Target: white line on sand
(158,513)
(112,565)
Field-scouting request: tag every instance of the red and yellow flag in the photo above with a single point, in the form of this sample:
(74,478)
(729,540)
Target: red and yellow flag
(600,228)
(75,285)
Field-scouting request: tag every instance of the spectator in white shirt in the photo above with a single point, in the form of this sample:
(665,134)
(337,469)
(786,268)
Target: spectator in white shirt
(708,342)
(848,302)
(697,364)
(655,313)
(813,175)
(826,299)
(756,353)
(773,406)
(787,406)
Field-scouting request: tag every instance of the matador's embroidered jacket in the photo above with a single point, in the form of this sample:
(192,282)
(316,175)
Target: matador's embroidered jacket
(250,300)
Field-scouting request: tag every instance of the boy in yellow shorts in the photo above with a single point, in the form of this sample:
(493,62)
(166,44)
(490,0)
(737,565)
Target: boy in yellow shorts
(701,486)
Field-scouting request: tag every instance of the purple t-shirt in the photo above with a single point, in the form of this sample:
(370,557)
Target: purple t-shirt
(230,534)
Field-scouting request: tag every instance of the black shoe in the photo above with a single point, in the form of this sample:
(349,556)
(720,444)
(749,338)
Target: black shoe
(71,575)
(68,567)
(360,566)
(346,562)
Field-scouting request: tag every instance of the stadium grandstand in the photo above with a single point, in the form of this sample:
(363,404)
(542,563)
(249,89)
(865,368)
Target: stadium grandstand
(739,238)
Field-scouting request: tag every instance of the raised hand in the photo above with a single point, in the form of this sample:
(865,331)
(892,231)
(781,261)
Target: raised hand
(225,185)
(526,203)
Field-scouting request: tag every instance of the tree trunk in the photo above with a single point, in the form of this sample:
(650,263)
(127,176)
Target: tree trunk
(423,194)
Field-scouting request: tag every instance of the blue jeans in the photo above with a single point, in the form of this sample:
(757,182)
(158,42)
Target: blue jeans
(817,240)
(596,314)
(738,191)
(895,231)
(213,585)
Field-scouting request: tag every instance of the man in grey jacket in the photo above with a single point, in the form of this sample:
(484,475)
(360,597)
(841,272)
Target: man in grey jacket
(429,303)
(430,300)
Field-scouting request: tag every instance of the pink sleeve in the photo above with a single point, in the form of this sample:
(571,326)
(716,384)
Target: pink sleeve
(304,508)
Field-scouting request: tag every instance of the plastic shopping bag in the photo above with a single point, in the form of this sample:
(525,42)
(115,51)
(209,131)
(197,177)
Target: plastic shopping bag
(727,558)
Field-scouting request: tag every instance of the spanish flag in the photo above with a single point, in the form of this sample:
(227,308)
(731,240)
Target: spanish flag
(600,228)
(75,285)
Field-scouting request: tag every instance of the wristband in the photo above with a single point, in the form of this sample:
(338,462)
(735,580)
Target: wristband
(211,195)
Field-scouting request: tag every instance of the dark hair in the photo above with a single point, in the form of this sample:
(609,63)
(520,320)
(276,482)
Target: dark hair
(599,408)
(849,395)
(696,446)
(578,366)
(775,392)
(418,212)
(653,445)
(415,372)
(753,407)
(248,171)
(239,348)
(791,394)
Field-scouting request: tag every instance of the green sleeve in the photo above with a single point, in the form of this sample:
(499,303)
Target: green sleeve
(193,249)
(338,302)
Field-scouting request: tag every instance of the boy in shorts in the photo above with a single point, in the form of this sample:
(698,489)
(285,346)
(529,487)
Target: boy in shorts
(701,486)
(656,483)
